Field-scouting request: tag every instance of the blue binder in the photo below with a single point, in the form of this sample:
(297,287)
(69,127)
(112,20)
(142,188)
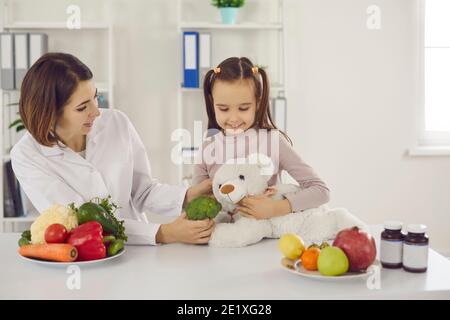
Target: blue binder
(190,59)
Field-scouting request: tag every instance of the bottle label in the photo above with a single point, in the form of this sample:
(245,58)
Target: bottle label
(415,256)
(391,251)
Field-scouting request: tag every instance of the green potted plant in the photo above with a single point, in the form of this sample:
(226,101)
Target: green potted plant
(228,9)
(18,123)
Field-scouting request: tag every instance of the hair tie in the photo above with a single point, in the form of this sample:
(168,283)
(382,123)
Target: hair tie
(255,70)
(216,70)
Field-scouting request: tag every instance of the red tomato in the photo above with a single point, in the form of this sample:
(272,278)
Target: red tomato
(55,233)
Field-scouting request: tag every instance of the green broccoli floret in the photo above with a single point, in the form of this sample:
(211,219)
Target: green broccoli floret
(26,235)
(203,207)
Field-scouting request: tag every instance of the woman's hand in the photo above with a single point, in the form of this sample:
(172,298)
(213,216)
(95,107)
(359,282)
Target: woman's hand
(203,188)
(185,231)
(263,207)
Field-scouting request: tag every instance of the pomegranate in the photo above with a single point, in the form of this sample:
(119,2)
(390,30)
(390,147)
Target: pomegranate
(359,247)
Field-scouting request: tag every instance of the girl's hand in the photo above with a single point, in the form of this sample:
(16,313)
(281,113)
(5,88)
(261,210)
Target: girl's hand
(263,207)
(185,231)
(203,188)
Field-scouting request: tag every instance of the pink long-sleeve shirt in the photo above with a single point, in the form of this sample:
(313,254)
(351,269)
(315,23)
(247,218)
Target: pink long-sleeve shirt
(220,148)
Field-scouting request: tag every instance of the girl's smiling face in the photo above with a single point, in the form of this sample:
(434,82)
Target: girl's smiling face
(234,105)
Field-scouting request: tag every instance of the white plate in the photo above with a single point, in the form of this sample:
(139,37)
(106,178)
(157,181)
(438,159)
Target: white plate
(77,263)
(296,268)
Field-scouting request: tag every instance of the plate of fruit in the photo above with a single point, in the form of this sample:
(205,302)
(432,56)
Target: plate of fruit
(351,255)
(62,235)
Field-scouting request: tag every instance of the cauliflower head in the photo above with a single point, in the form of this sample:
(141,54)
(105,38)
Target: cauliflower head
(203,207)
(55,214)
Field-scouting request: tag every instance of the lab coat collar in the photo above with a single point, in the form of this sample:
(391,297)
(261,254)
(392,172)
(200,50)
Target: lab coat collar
(55,150)
(65,153)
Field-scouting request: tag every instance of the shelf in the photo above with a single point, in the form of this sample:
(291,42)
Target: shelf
(55,25)
(29,218)
(200,90)
(101,86)
(241,26)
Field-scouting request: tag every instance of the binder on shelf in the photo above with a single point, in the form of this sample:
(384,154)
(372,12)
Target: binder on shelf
(190,59)
(38,46)
(21,58)
(189,152)
(7,61)
(103,100)
(13,189)
(279,111)
(8,204)
(205,54)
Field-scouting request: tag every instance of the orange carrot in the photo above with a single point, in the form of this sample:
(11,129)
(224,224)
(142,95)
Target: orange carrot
(61,252)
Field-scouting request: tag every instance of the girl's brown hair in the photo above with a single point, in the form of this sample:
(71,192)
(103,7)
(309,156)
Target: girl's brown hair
(233,69)
(45,89)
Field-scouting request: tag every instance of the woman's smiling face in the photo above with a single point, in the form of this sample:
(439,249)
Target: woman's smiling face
(234,105)
(80,111)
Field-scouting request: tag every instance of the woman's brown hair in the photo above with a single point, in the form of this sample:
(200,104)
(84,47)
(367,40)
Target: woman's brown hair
(233,69)
(45,89)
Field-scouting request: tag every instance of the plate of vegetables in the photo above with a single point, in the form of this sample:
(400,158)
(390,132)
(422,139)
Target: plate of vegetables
(89,234)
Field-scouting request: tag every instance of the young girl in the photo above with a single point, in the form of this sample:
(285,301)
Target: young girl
(237,104)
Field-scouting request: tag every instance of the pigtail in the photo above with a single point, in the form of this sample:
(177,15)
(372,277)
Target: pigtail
(265,118)
(209,103)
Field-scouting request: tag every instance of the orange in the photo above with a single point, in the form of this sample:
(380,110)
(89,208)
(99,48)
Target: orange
(309,258)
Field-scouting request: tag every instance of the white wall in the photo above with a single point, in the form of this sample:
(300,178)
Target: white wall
(351,99)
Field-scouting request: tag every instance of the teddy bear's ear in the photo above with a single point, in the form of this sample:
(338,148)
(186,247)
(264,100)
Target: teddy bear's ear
(264,163)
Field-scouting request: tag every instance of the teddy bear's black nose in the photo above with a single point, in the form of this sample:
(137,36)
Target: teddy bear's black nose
(242,177)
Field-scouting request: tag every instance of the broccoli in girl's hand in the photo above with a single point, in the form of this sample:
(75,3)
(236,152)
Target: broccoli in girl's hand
(203,207)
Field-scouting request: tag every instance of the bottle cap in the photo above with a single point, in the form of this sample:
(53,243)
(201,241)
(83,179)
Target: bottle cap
(393,225)
(416,228)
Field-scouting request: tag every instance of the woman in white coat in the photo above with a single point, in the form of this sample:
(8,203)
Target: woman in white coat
(73,152)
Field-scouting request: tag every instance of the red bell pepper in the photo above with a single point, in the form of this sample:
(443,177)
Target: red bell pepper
(88,240)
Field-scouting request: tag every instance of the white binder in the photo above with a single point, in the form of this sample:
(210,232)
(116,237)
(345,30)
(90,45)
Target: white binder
(205,50)
(7,61)
(21,58)
(38,46)
(204,54)
(279,111)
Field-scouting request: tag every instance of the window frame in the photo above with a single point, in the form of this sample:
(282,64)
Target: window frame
(425,142)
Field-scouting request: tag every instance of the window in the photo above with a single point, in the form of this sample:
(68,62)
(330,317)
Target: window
(435,49)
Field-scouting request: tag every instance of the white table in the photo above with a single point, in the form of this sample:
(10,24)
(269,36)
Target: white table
(180,271)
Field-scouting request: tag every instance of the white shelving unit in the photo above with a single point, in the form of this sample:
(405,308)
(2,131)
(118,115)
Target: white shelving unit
(248,29)
(57,30)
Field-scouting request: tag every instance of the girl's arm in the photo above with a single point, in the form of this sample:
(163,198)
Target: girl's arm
(313,191)
(200,172)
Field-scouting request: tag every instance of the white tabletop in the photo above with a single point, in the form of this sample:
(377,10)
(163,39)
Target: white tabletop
(180,271)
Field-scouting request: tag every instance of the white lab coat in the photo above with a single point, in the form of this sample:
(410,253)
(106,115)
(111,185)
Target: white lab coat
(116,164)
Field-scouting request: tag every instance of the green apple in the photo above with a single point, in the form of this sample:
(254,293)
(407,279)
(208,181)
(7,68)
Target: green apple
(332,261)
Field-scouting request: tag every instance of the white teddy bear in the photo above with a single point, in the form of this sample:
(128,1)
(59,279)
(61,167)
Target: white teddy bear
(242,177)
